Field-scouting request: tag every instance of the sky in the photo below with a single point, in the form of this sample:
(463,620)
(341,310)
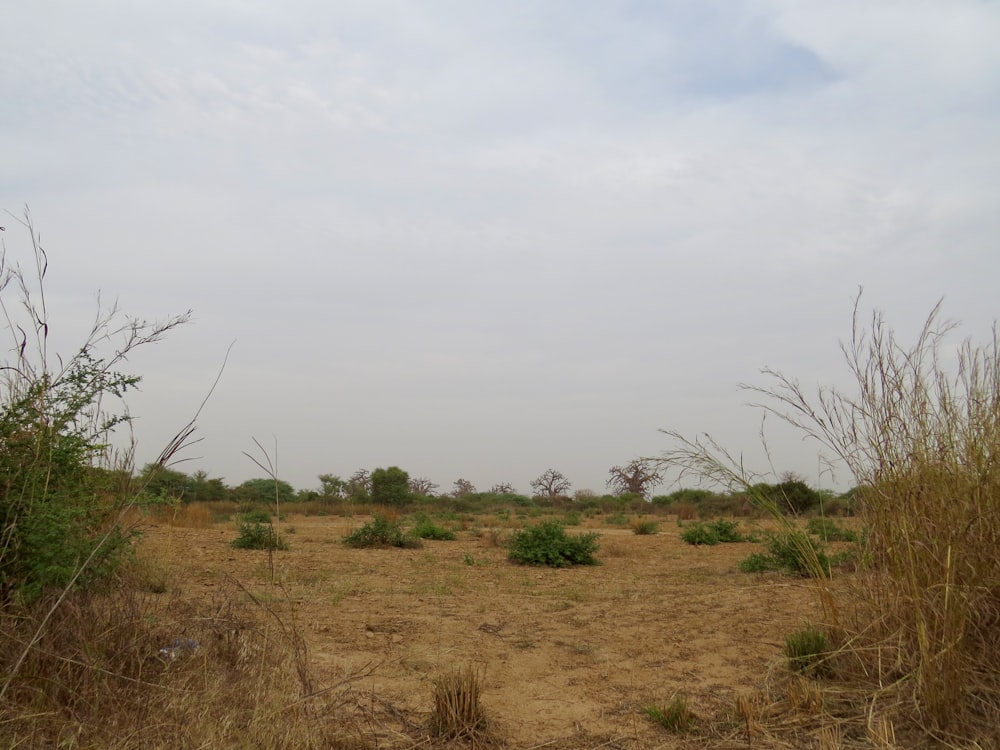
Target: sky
(481,240)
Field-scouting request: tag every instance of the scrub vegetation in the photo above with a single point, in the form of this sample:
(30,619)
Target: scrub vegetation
(138,607)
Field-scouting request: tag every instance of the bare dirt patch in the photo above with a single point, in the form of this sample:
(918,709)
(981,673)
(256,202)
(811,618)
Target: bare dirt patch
(568,656)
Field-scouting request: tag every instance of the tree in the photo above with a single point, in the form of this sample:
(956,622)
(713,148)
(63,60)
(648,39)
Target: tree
(264,491)
(551,484)
(422,486)
(502,488)
(463,488)
(390,486)
(331,487)
(359,486)
(638,477)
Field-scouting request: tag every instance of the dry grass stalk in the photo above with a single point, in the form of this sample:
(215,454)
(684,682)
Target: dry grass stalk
(458,712)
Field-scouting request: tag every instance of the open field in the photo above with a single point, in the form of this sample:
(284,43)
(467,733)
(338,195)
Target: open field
(569,657)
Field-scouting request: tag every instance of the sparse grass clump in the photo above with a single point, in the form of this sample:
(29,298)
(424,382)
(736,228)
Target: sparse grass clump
(807,651)
(458,712)
(381,532)
(675,716)
(548,543)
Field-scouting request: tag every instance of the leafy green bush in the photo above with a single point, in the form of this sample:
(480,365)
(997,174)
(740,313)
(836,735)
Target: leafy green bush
(572,518)
(807,651)
(61,497)
(255,535)
(829,530)
(381,532)
(255,515)
(427,529)
(726,531)
(641,527)
(548,544)
(790,551)
(699,534)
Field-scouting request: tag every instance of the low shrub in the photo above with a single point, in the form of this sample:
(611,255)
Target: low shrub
(641,527)
(427,529)
(381,532)
(727,531)
(255,515)
(548,544)
(699,534)
(790,551)
(258,536)
(829,530)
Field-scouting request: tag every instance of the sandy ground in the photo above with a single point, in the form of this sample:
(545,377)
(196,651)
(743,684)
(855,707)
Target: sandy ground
(568,656)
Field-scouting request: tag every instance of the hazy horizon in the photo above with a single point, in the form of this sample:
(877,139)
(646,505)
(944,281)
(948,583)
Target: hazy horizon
(481,241)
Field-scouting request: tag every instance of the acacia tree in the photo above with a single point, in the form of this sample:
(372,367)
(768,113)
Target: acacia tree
(331,487)
(637,477)
(551,484)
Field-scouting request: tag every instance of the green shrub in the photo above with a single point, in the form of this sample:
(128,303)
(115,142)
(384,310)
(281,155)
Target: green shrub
(642,527)
(726,531)
(548,544)
(427,529)
(807,651)
(254,535)
(790,551)
(572,518)
(390,486)
(616,519)
(829,530)
(699,534)
(675,716)
(255,515)
(381,532)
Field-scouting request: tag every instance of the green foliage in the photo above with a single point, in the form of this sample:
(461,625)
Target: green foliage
(699,534)
(264,491)
(829,530)
(727,531)
(694,496)
(789,496)
(790,551)
(255,515)
(642,527)
(60,495)
(381,532)
(548,544)
(390,486)
(572,518)
(675,716)
(427,529)
(256,535)
(807,651)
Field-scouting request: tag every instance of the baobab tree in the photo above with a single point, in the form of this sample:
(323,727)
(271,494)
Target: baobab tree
(637,477)
(551,484)
(422,486)
(463,488)
(503,488)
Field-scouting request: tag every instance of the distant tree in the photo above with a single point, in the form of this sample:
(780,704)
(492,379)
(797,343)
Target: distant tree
(551,484)
(422,486)
(359,486)
(463,488)
(331,487)
(638,477)
(503,488)
(160,481)
(205,489)
(390,486)
(584,495)
(264,491)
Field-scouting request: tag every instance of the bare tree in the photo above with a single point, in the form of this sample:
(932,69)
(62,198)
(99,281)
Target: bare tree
(463,488)
(503,488)
(551,484)
(637,477)
(360,483)
(422,486)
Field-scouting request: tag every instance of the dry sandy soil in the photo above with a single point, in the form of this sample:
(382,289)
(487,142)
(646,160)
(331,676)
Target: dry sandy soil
(568,656)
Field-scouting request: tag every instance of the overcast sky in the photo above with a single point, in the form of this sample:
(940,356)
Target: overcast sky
(480,239)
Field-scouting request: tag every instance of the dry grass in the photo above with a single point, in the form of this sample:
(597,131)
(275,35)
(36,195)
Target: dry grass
(458,712)
(918,639)
(102,676)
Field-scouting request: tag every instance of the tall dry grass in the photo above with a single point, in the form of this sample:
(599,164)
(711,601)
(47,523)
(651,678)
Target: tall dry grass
(920,632)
